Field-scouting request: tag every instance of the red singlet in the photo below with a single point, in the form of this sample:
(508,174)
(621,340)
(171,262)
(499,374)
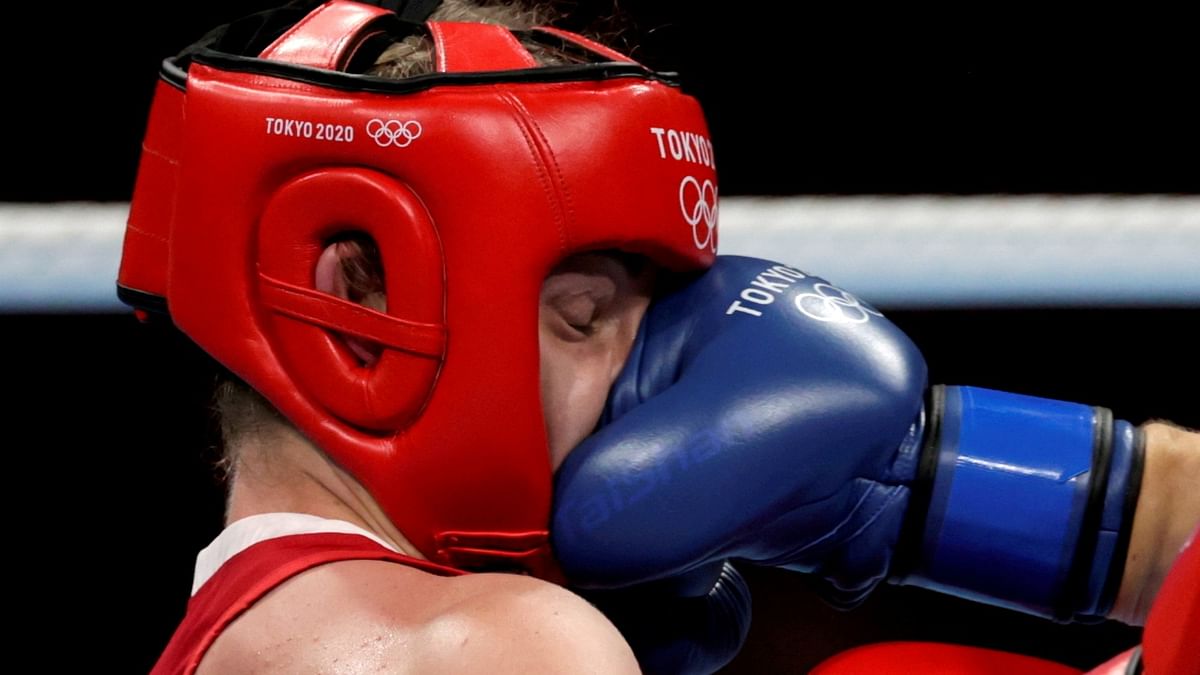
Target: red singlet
(253,556)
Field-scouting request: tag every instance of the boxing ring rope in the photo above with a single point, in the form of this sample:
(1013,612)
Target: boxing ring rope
(896,252)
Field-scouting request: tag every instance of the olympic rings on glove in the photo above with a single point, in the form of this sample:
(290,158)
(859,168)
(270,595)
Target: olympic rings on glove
(833,305)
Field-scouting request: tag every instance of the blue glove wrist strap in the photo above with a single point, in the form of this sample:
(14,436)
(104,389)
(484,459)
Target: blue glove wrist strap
(1024,502)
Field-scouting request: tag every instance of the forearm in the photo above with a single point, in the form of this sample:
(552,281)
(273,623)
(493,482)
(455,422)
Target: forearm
(1168,512)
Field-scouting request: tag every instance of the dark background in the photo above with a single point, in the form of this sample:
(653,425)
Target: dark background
(801,97)
(111,440)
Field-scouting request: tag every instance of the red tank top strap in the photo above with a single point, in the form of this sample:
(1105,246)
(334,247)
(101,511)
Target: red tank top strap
(253,573)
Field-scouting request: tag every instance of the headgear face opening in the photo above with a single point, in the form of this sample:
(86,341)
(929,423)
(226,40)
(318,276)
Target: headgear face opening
(474,181)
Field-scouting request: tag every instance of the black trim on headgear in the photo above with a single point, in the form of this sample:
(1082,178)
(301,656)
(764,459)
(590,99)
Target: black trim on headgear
(253,33)
(416,11)
(175,73)
(150,302)
(236,47)
(250,35)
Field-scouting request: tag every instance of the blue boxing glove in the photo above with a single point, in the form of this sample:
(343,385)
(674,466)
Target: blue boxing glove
(763,415)
(766,415)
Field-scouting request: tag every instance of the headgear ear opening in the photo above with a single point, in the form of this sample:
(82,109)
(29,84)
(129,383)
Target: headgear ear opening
(297,221)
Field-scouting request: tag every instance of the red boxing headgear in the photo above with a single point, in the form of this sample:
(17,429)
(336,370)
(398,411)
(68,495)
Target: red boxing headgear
(474,181)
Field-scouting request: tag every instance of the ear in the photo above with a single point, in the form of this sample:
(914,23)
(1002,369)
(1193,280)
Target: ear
(331,278)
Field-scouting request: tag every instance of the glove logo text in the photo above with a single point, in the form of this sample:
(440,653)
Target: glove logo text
(765,287)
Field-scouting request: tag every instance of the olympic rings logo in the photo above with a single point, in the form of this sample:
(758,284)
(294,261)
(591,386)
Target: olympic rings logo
(702,199)
(833,305)
(394,132)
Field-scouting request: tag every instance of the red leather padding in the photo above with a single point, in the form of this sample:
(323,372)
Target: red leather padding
(462,47)
(906,658)
(493,186)
(148,228)
(300,217)
(327,37)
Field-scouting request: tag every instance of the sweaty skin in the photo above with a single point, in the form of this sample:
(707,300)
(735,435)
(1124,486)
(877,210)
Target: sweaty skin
(368,616)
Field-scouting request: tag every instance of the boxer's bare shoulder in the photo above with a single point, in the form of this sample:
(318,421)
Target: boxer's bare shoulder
(378,617)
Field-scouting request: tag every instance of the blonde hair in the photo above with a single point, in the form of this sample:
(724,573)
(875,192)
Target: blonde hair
(414,54)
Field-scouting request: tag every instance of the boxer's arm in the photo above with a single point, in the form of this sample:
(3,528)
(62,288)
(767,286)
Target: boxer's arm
(1168,511)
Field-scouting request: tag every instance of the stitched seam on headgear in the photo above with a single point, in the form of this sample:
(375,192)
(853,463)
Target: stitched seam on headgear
(151,151)
(565,204)
(524,123)
(147,233)
(347,58)
(443,320)
(271,49)
(525,55)
(364,395)
(337,50)
(439,45)
(589,43)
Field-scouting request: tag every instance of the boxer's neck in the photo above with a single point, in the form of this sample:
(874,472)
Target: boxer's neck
(284,473)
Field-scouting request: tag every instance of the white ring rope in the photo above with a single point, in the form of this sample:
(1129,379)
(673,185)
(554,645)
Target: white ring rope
(922,251)
(60,257)
(937,251)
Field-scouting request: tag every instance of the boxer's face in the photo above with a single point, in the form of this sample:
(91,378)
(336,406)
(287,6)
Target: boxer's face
(589,312)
